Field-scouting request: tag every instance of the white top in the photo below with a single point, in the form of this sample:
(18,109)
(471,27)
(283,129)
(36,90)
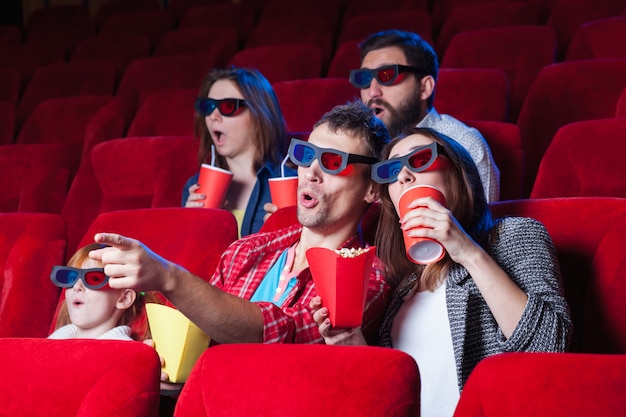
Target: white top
(70,331)
(422,330)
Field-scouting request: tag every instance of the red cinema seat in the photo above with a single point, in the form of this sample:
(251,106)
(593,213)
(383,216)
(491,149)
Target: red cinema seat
(282,62)
(28,58)
(487,15)
(575,166)
(10,81)
(304,102)
(542,384)
(620,108)
(473,94)
(347,57)
(599,39)
(167,113)
(118,49)
(152,23)
(66,80)
(10,35)
(588,237)
(219,385)
(31,244)
(241,15)
(217,42)
(35,177)
(520,51)
(79,378)
(361,26)
(7,123)
(108,8)
(66,28)
(554,99)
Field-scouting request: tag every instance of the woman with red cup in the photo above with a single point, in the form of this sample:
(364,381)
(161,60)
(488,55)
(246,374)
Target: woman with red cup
(497,289)
(238,115)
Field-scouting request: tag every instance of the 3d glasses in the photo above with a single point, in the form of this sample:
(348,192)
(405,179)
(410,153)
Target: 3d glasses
(227,106)
(386,75)
(331,161)
(66,277)
(421,159)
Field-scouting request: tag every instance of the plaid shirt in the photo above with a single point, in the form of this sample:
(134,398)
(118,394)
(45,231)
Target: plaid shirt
(244,264)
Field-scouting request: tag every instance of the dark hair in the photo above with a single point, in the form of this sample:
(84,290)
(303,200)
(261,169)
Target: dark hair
(263,105)
(356,119)
(466,201)
(417,51)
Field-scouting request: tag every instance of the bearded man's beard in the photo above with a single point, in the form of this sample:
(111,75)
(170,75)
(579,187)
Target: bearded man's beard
(408,114)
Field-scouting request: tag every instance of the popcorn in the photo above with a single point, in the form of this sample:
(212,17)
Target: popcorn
(351,252)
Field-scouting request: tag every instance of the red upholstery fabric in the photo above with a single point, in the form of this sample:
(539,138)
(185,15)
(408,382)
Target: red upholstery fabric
(567,16)
(347,57)
(473,94)
(63,30)
(7,123)
(66,80)
(154,23)
(150,75)
(282,62)
(303,380)
(575,166)
(487,15)
(505,142)
(599,39)
(605,325)
(307,29)
(241,15)
(322,94)
(62,120)
(109,8)
(31,244)
(519,51)
(9,85)
(166,113)
(329,10)
(35,178)
(29,58)
(361,26)
(554,100)
(363,7)
(217,42)
(579,227)
(62,378)
(620,108)
(157,181)
(545,384)
(118,49)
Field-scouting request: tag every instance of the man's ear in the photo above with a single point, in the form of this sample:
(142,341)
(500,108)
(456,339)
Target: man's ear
(427,86)
(126,299)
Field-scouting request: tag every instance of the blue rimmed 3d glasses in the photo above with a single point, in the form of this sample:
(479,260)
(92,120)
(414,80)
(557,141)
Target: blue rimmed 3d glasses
(421,159)
(331,161)
(66,277)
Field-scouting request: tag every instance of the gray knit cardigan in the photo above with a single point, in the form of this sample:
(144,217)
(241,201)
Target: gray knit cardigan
(524,249)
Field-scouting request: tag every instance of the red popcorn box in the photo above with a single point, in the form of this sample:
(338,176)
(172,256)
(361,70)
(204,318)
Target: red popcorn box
(341,278)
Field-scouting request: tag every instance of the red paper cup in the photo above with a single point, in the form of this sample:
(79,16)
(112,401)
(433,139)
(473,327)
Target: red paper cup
(284,191)
(214,183)
(421,250)
(342,283)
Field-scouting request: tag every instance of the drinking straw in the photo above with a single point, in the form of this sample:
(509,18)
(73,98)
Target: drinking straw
(282,166)
(212,155)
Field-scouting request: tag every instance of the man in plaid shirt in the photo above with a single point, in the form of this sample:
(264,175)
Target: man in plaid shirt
(262,287)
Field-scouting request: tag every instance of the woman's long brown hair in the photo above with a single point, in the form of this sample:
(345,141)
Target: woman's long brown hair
(466,201)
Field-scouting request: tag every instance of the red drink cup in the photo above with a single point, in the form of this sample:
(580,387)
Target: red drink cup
(421,250)
(214,183)
(284,191)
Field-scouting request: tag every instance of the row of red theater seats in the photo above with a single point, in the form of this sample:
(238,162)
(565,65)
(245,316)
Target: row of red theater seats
(129,41)
(356,381)
(589,242)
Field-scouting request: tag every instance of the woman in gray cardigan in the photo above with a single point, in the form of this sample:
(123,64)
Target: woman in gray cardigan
(497,289)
